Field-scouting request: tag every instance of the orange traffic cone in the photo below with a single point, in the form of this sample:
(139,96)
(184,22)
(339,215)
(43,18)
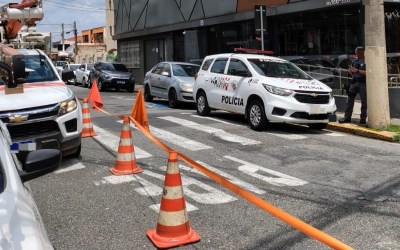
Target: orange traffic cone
(87,126)
(173,225)
(126,159)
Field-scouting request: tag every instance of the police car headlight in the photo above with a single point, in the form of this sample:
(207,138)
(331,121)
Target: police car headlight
(67,106)
(277,91)
(187,87)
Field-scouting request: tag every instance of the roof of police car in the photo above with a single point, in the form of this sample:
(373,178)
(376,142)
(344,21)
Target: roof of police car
(247,56)
(29,52)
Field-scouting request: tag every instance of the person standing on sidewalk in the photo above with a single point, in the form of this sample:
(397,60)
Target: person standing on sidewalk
(358,85)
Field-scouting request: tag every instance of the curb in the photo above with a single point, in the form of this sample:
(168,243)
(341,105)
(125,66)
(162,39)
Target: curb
(361,131)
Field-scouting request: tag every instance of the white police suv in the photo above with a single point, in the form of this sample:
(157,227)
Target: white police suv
(263,88)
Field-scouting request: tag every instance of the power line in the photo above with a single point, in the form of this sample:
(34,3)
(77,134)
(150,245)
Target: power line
(79,7)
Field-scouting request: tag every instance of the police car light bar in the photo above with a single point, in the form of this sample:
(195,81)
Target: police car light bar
(254,51)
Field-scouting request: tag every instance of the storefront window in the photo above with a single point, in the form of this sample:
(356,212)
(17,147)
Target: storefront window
(129,54)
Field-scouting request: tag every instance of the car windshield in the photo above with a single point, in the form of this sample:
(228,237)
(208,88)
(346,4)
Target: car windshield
(38,69)
(185,70)
(278,69)
(90,66)
(61,63)
(114,66)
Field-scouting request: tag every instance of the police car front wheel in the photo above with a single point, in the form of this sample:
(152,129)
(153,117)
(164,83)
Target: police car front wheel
(202,105)
(256,116)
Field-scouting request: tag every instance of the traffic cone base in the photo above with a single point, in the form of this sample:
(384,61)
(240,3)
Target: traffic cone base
(173,224)
(167,242)
(87,126)
(126,160)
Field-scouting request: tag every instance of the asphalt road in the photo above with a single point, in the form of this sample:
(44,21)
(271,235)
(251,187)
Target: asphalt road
(344,185)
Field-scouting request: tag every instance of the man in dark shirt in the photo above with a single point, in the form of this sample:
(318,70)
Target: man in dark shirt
(357,86)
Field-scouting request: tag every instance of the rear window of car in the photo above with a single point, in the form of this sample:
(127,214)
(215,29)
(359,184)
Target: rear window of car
(219,66)
(206,64)
(184,70)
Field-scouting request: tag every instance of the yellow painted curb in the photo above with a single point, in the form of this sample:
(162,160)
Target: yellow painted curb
(357,130)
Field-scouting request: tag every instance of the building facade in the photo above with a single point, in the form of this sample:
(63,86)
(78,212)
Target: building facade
(110,31)
(187,30)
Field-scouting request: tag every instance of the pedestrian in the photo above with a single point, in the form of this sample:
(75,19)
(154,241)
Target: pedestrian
(358,85)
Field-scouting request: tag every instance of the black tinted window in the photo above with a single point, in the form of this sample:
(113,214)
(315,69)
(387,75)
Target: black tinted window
(207,64)
(219,66)
(237,68)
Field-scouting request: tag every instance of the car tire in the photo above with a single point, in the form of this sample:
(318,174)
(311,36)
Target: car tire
(256,116)
(130,89)
(318,126)
(75,82)
(87,83)
(202,104)
(147,96)
(172,98)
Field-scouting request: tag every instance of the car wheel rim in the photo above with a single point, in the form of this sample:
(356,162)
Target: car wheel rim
(255,115)
(201,103)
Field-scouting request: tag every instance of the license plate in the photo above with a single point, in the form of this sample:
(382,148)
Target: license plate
(120,82)
(23,146)
(313,109)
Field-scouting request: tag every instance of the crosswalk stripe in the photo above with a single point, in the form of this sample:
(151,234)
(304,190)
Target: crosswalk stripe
(74,164)
(210,130)
(336,134)
(176,139)
(112,141)
(288,136)
(214,119)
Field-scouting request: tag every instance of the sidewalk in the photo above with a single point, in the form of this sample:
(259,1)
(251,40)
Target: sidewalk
(362,130)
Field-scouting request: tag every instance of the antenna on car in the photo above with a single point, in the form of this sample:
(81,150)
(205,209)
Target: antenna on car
(253,51)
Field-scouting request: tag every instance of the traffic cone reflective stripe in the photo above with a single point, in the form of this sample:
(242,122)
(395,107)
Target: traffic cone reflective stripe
(173,224)
(126,159)
(87,126)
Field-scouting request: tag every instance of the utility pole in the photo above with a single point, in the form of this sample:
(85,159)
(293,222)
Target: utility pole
(62,37)
(260,10)
(375,59)
(76,42)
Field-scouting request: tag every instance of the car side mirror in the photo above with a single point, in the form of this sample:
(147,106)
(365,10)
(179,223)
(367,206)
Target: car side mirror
(165,73)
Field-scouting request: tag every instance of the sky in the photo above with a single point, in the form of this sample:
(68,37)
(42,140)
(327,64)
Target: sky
(87,14)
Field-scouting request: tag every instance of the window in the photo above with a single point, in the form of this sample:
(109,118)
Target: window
(219,66)
(279,69)
(158,69)
(110,30)
(207,64)
(237,68)
(185,70)
(167,68)
(38,69)
(129,54)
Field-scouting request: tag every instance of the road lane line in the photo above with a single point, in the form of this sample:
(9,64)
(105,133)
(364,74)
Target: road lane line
(215,119)
(288,136)
(176,139)
(210,130)
(112,142)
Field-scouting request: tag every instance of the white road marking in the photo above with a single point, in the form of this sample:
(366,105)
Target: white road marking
(215,119)
(288,136)
(112,142)
(231,178)
(210,130)
(280,180)
(336,134)
(123,97)
(208,195)
(176,139)
(73,164)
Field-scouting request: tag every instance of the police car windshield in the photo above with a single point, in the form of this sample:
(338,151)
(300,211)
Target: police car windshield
(278,69)
(184,70)
(38,69)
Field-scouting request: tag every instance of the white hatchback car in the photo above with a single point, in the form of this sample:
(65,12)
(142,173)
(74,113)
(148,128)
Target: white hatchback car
(20,222)
(263,88)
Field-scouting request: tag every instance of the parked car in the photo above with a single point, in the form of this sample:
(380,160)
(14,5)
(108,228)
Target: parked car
(60,65)
(41,109)
(112,75)
(68,73)
(263,88)
(171,80)
(21,224)
(82,74)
